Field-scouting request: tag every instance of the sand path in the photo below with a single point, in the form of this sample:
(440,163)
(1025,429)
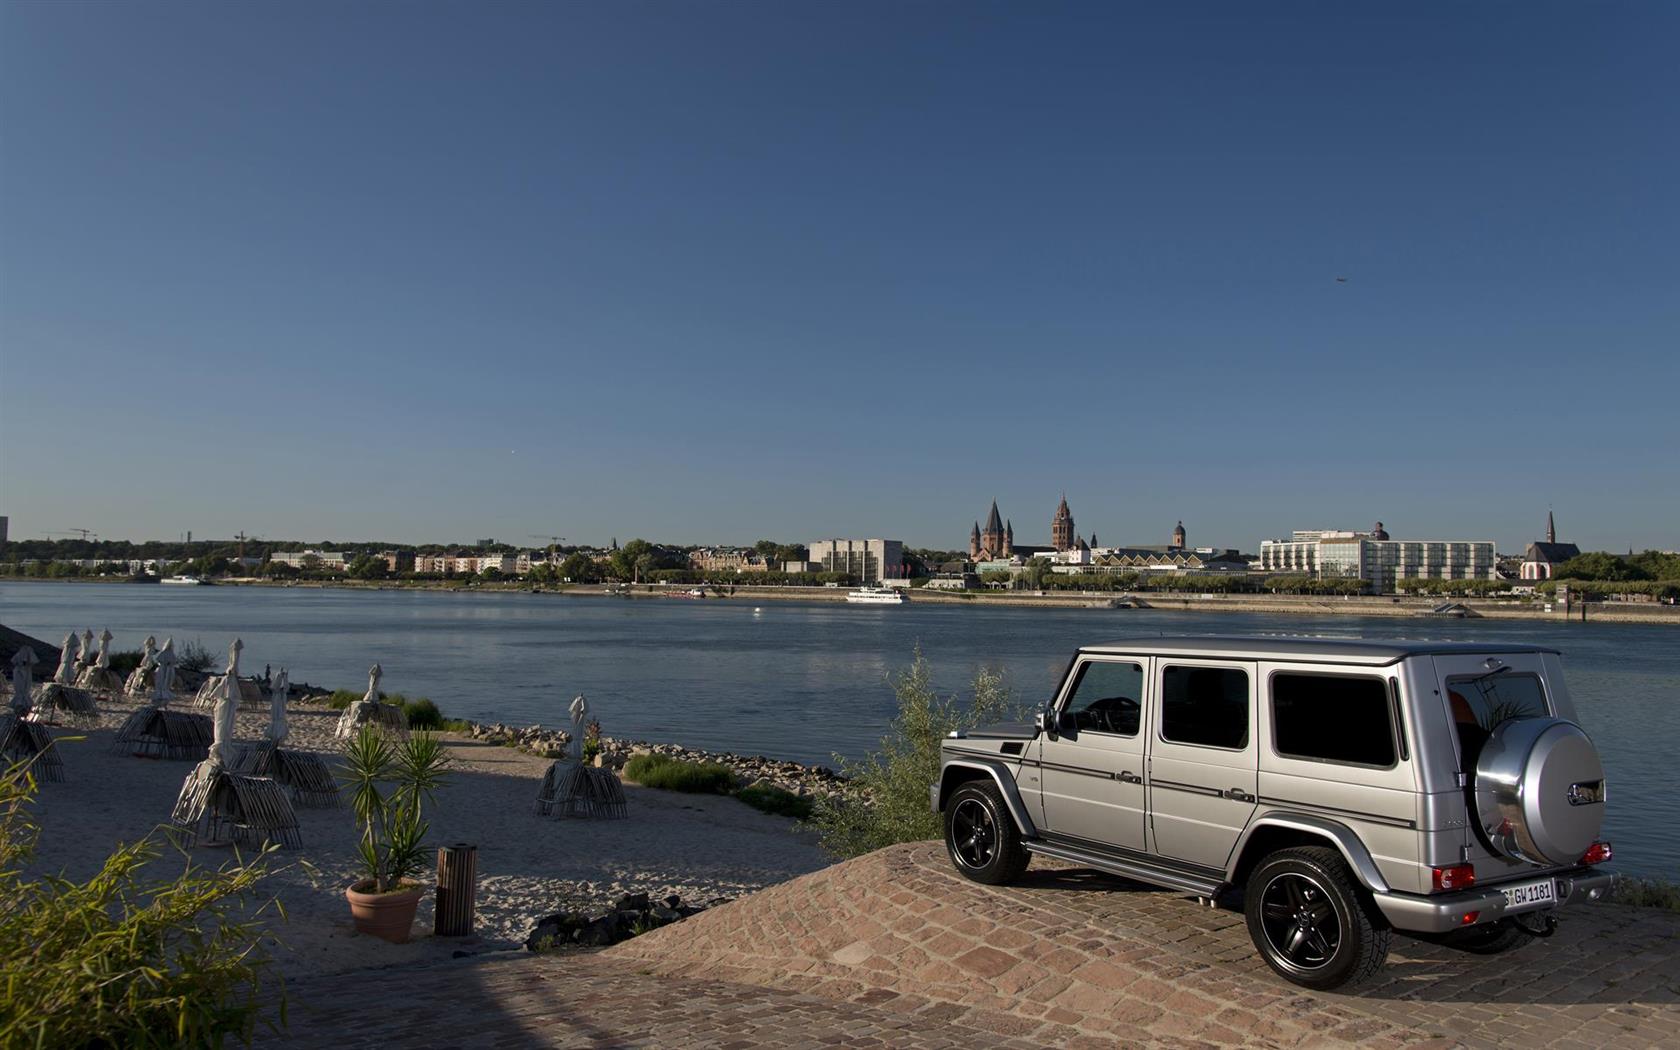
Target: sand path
(698,846)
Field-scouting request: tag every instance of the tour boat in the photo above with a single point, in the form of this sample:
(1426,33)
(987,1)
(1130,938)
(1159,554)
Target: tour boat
(182,581)
(876,596)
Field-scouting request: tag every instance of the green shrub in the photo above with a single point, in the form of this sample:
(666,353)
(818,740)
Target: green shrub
(891,803)
(675,774)
(775,801)
(192,656)
(125,662)
(422,714)
(124,959)
(1647,893)
(342,698)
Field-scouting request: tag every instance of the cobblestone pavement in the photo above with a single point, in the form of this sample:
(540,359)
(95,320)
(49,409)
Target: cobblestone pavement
(895,950)
(1068,954)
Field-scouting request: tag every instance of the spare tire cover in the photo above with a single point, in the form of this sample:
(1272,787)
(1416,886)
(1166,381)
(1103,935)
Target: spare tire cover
(1540,791)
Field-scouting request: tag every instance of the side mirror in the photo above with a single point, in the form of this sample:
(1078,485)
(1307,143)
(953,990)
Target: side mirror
(1048,721)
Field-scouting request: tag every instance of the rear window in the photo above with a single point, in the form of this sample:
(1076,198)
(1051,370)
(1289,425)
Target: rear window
(1207,706)
(1480,704)
(1332,718)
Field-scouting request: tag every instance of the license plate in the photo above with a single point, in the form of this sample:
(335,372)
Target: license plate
(1530,895)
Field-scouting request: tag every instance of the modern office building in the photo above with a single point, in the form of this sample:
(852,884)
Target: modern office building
(870,561)
(1381,562)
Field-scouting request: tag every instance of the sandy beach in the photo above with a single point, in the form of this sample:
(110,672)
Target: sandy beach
(701,847)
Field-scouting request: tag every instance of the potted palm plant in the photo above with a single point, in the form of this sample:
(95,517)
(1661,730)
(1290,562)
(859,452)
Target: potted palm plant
(388,783)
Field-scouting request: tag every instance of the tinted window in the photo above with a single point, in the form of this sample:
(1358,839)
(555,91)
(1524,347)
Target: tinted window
(1480,704)
(1106,698)
(1205,705)
(1332,718)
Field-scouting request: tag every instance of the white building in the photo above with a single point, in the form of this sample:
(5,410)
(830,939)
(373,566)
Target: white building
(1380,561)
(871,561)
(334,561)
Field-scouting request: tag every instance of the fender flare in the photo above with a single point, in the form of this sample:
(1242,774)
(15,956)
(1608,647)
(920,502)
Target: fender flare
(999,773)
(1340,835)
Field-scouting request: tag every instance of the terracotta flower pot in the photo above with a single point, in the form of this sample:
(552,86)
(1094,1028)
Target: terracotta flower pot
(388,916)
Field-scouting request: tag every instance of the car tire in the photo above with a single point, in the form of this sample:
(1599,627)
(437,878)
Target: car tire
(1489,939)
(1312,923)
(981,836)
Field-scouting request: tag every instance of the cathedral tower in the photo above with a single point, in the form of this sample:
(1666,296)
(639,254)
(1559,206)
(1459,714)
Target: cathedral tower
(1061,527)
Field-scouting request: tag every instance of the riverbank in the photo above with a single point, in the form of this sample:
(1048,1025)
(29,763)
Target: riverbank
(1302,605)
(1433,607)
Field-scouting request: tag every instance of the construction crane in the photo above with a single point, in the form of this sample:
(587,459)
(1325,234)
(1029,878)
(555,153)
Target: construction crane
(86,534)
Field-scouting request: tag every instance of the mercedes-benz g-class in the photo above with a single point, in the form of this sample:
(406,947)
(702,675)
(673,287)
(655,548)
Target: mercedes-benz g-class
(1347,789)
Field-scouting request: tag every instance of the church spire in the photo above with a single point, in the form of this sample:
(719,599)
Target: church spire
(1551,527)
(1061,527)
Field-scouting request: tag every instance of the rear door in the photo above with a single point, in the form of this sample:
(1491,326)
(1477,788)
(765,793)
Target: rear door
(1478,693)
(1203,764)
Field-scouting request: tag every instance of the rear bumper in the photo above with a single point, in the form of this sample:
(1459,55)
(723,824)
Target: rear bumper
(1441,912)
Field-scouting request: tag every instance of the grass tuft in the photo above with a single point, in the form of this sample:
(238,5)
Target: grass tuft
(1647,893)
(674,774)
(775,801)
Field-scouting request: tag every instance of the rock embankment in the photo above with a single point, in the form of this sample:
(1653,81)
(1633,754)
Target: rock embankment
(790,776)
(635,913)
(794,777)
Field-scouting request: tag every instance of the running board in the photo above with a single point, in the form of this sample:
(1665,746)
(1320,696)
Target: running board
(1175,880)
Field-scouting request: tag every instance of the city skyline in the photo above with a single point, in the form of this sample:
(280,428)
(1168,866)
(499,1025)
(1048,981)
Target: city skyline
(1214,540)
(707,274)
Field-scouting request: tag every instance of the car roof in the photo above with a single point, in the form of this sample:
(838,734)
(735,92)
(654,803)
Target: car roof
(1352,650)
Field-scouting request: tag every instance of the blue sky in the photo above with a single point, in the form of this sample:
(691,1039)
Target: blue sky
(717,272)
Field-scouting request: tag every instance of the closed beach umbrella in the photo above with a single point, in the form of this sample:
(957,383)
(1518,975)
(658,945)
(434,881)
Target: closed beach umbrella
(164,680)
(148,664)
(579,711)
(226,709)
(23,679)
(277,729)
(103,660)
(85,657)
(66,674)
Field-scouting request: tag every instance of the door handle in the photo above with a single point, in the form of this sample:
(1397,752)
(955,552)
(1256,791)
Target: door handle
(1239,795)
(1130,778)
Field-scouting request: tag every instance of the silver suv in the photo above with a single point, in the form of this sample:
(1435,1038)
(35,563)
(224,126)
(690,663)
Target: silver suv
(1347,788)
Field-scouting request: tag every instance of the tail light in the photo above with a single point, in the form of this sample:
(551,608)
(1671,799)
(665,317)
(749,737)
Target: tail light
(1457,877)
(1597,853)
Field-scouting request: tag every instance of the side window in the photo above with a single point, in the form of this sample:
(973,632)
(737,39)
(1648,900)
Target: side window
(1480,704)
(1332,718)
(1207,706)
(1107,698)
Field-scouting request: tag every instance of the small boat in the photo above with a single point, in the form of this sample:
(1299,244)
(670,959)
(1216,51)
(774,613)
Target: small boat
(876,596)
(695,592)
(182,581)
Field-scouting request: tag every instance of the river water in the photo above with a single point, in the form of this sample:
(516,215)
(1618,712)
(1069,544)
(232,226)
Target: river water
(806,680)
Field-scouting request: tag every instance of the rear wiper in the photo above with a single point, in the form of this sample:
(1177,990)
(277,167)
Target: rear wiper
(1490,674)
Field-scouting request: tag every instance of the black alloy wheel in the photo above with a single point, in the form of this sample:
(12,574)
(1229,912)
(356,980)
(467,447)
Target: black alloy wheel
(1311,921)
(981,836)
(974,834)
(1300,922)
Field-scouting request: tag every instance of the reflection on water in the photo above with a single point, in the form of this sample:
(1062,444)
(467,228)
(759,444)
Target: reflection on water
(804,681)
